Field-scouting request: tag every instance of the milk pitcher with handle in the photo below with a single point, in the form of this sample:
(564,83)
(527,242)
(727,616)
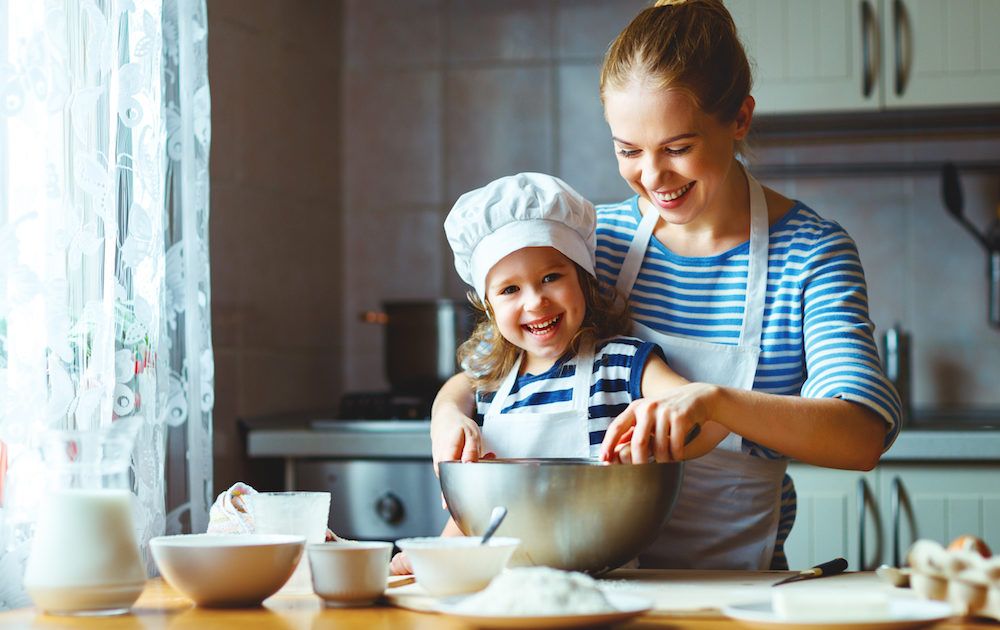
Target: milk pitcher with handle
(84,557)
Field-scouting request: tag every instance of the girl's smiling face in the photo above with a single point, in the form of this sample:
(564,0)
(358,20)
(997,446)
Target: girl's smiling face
(537,302)
(674,155)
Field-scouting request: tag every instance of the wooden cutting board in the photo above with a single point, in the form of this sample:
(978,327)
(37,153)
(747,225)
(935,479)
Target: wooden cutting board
(686,593)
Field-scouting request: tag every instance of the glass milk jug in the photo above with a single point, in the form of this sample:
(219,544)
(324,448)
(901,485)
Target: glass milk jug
(84,557)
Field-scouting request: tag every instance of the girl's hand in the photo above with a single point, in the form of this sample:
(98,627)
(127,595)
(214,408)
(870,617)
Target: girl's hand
(400,564)
(454,436)
(658,426)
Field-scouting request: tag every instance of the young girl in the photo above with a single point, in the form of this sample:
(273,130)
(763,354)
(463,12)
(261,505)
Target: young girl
(548,360)
(752,296)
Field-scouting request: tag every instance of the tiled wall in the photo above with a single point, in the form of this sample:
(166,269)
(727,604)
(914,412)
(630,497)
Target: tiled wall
(275,220)
(443,96)
(343,132)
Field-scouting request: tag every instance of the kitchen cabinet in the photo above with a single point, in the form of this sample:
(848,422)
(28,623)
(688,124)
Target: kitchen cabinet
(871,518)
(869,55)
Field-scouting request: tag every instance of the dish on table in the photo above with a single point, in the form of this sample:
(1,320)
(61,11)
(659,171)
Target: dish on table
(904,614)
(626,606)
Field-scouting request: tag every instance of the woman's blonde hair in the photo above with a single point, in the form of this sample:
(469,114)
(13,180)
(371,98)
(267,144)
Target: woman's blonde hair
(487,356)
(691,45)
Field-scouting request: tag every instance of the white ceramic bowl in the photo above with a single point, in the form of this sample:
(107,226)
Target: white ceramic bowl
(349,573)
(227,570)
(452,565)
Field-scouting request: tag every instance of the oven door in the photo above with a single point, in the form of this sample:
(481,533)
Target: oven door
(377,499)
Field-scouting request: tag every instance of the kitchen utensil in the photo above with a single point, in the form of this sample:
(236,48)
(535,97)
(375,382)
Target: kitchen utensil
(626,606)
(349,573)
(951,190)
(830,567)
(421,338)
(894,575)
(499,512)
(84,556)
(896,362)
(227,570)
(904,614)
(454,565)
(296,513)
(574,514)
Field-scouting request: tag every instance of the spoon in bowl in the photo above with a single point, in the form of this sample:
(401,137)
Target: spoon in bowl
(496,516)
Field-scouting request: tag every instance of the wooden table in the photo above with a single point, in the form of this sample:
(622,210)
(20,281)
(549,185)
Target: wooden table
(160,606)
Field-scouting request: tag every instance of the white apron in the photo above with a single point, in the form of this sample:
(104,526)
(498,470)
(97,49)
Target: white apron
(727,513)
(564,434)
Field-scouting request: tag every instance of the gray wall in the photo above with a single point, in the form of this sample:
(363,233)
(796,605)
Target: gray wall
(275,217)
(343,132)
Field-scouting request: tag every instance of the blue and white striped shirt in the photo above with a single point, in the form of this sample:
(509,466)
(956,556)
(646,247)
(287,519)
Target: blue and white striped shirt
(615,381)
(817,338)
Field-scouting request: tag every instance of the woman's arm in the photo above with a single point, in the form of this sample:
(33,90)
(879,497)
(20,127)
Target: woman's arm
(826,432)
(668,430)
(454,434)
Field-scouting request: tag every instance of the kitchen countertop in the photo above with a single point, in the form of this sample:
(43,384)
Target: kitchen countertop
(929,438)
(160,606)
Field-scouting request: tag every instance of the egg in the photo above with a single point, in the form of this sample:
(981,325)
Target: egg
(970,543)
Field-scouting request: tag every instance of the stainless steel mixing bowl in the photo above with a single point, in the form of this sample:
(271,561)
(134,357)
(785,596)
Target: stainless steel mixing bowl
(573,514)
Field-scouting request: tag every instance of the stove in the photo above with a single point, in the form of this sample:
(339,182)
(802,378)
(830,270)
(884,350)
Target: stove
(385,405)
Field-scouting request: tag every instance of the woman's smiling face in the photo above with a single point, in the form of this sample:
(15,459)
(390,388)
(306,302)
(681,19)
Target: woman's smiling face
(675,156)
(538,304)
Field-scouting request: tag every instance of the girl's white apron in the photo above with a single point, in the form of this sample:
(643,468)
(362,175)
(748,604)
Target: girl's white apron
(727,513)
(532,434)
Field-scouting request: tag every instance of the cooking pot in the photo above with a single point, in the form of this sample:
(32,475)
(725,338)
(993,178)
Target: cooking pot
(421,337)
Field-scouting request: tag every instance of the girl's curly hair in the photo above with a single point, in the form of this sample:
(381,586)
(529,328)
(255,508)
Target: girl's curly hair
(487,357)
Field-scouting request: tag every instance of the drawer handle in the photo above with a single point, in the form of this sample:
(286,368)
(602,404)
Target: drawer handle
(868,43)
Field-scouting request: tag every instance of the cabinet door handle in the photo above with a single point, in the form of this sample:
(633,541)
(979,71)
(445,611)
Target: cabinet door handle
(869,48)
(865,498)
(900,502)
(901,31)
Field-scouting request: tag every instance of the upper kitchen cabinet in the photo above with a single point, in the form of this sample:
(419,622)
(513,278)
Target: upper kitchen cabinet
(869,55)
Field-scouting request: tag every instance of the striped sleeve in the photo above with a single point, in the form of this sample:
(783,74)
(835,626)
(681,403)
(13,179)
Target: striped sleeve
(817,338)
(841,356)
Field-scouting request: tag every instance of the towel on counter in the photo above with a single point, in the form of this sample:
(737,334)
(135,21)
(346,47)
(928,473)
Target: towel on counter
(230,513)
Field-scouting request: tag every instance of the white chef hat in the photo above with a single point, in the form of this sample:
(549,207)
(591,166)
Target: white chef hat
(508,214)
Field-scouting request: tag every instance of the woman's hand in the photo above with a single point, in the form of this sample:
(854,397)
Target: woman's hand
(454,434)
(658,426)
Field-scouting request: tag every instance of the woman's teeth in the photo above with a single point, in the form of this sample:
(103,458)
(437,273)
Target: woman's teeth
(675,194)
(543,327)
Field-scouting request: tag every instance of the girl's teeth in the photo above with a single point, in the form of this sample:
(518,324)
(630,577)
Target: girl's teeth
(543,326)
(674,195)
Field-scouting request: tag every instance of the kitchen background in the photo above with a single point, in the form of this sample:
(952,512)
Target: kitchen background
(343,131)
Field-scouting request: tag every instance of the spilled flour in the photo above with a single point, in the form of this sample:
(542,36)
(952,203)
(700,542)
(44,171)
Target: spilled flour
(537,591)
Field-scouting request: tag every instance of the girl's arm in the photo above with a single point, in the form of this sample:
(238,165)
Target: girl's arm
(454,434)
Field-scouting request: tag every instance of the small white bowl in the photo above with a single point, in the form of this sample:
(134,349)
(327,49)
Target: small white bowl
(227,570)
(349,573)
(452,565)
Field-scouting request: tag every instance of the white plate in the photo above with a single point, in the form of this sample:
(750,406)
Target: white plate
(627,606)
(903,614)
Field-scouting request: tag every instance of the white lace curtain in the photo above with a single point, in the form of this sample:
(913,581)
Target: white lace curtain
(104,274)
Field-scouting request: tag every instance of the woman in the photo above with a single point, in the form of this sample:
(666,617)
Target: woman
(751,295)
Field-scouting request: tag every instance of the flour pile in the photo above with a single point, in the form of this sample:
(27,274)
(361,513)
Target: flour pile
(537,591)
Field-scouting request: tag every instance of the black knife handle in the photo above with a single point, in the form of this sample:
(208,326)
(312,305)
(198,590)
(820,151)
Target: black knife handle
(831,567)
